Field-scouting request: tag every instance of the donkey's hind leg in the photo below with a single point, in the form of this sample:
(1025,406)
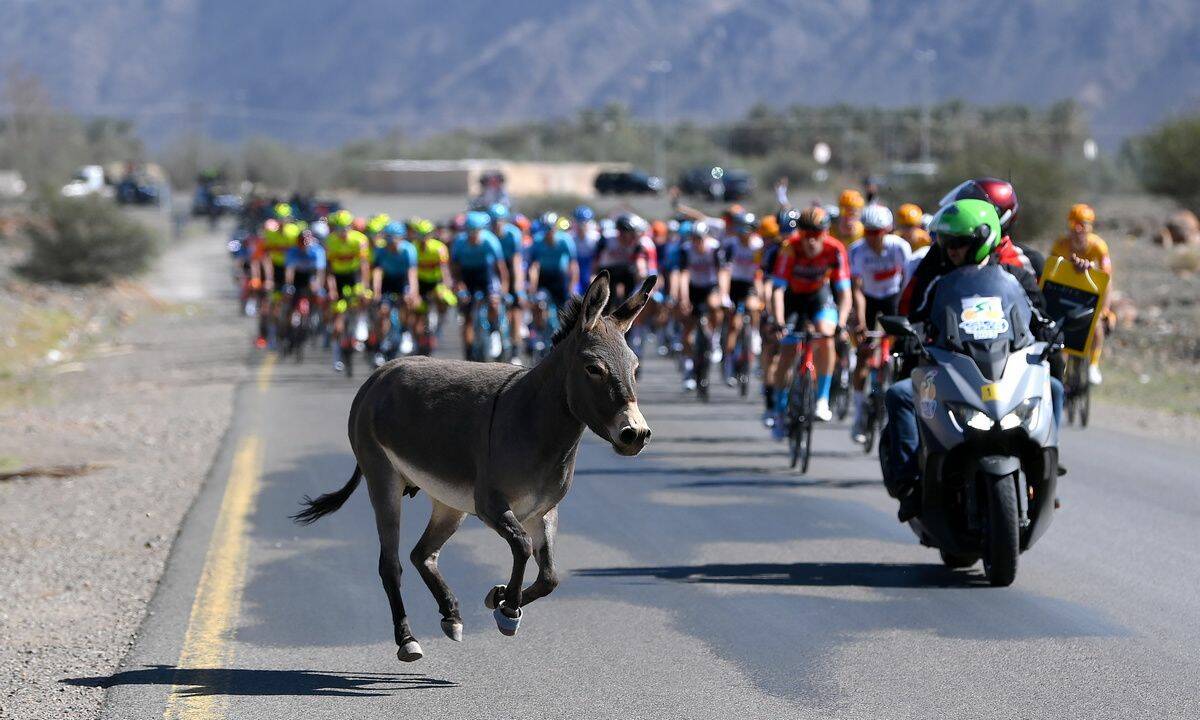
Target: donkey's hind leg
(443,522)
(387,490)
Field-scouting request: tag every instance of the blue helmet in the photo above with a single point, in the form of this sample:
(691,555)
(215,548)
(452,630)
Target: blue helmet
(685,228)
(477,220)
(583,213)
(394,229)
(498,211)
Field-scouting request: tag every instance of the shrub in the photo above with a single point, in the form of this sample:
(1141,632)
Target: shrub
(1165,160)
(81,241)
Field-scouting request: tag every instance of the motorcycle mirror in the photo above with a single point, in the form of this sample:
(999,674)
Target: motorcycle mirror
(897,325)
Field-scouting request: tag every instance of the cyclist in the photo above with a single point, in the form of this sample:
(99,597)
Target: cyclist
(512,242)
(477,263)
(703,285)
(786,223)
(433,278)
(393,280)
(586,236)
(375,227)
(877,264)
(554,262)
(280,234)
(304,269)
(910,226)
(623,256)
(348,253)
(849,228)
(1087,251)
(742,251)
(966,231)
(812,271)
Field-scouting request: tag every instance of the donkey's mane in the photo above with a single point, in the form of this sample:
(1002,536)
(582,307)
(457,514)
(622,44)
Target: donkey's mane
(568,315)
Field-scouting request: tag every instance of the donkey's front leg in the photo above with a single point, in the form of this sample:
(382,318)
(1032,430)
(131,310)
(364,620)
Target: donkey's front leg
(542,531)
(499,516)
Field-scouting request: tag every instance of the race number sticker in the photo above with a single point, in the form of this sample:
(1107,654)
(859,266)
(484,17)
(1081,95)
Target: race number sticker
(989,392)
(983,318)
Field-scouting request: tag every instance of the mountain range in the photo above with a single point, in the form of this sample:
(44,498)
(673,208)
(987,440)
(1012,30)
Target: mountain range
(323,72)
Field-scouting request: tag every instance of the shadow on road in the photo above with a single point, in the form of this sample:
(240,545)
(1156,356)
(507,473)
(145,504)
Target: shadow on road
(808,574)
(198,682)
(764,483)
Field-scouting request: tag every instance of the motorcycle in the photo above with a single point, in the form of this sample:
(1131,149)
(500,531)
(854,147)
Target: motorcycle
(988,441)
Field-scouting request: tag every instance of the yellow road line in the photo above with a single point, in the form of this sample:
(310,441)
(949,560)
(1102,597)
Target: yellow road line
(264,372)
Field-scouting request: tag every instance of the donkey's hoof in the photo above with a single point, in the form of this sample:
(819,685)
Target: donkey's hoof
(453,629)
(508,624)
(410,651)
(492,600)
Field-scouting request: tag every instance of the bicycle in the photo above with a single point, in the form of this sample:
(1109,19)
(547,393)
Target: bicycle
(543,324)
(299,325)
(491,341)
(840,389)
(702,353)
(800,411)
(1077,391)
(747,347)
(397,341)
(879,377)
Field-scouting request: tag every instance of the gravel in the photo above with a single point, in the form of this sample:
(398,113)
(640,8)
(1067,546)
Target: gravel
(80,557)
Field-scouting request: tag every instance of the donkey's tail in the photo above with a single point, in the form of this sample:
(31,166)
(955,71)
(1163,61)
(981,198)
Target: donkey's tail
(327,503)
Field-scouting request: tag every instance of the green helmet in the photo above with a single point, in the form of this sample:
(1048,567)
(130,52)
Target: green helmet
(970,223)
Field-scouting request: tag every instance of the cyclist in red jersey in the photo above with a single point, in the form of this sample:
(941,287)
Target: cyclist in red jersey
(812,269)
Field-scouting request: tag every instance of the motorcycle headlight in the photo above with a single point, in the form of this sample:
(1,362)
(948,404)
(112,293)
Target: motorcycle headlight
(1024,415)
(964,416)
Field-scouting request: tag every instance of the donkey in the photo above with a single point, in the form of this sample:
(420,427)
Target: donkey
(491,440)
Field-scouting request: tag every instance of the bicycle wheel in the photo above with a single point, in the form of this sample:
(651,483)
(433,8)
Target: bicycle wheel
(840,390)
(743,359)
(1085,404)
(700,358)
(799,420)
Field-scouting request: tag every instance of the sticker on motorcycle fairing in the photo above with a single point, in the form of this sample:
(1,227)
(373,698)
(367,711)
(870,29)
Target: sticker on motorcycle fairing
(927,391)
(989,392)
(983,317)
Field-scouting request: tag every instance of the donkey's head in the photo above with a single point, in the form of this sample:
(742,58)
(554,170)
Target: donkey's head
(601,390)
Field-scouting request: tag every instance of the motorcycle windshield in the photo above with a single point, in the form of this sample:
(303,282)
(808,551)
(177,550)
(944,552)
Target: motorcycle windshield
(983,313)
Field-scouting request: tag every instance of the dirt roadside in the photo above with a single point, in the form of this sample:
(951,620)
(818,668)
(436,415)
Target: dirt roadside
(80,557)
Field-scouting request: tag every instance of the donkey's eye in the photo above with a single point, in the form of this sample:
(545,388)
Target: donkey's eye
(595,370)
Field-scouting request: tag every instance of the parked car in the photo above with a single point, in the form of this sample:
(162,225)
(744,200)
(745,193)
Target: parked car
(133,190)
(87,180)
(716,183)
(628,183)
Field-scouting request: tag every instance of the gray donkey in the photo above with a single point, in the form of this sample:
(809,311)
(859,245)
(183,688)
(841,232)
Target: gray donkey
(494,441)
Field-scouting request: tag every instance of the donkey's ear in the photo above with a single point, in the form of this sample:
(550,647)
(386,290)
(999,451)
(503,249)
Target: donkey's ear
(628,312)
(594,301)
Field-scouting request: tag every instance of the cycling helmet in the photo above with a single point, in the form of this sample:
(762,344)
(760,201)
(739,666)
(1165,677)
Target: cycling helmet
(698,229)
(359,224)
(628,222)
(477,220)
(789,221)
(522,222)
(583,213)
(877,217)
(737,219)
(497,211)
(851,200)
(320,229)
(1080,213)
(658,229)
(393,229)
(769,227)
(685,228)
(458,223)
(909,215)
(283,211)
(341,219)
(813,219)
(969,222)
(271,225)
(421,226)
(549,220)
(999,193)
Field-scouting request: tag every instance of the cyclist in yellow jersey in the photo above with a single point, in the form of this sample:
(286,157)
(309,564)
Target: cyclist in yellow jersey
(280,233)
(433,279)
(1087,251)
(848,228)
(348,255)
(909,218)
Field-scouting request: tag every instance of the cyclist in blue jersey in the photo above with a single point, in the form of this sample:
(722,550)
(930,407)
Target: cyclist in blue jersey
(586,235)
(553,260)
(394,278)
(304,268)
(512,243)
(477,263)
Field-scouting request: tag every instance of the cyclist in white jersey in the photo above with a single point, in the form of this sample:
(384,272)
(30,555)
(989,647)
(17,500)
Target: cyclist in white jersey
(877,270)
(742,250)
(703,286)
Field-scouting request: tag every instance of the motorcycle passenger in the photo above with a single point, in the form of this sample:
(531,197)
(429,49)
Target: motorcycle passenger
(812,271)
(393,278)
(877,264)
(477,262)
(1003,196)
(966,231)
(1087,251)
(348,255)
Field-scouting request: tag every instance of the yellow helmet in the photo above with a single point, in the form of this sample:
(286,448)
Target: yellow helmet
(378,222)
(1081,213)
(909,215)
(851,199)
(341,219)
(769,227)
(283,211)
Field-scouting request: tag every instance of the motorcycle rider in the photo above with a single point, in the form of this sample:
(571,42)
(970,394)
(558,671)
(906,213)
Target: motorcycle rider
(966,231)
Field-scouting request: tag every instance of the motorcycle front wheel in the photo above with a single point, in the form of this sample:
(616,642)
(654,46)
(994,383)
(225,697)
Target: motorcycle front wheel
(1003,539)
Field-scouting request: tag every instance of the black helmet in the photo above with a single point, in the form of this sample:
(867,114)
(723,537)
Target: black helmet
(628,222)
(789,221)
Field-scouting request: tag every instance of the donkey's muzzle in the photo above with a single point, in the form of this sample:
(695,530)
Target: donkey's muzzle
(633,432)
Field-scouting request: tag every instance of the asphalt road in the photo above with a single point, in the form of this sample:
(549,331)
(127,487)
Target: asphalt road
(702,579)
